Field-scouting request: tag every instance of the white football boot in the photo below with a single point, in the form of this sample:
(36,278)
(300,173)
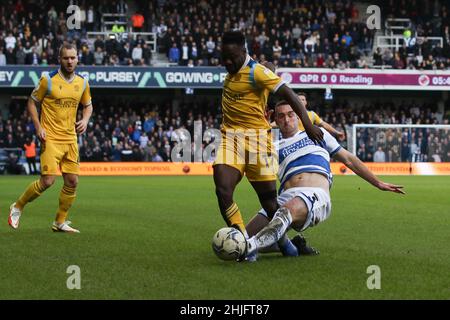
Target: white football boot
(14,216)
(63,227)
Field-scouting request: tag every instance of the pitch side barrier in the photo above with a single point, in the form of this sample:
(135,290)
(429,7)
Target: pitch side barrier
(205,169)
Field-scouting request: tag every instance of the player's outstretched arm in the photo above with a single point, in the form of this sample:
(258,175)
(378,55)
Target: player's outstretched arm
(358,167)
(338,134)
(33,112)
(313,132)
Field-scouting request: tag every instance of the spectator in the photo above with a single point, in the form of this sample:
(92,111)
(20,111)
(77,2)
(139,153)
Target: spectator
(10,41)
(10,56)
(90,18)
(137,154)
(155,157)
(174,53)
(87,58)
(33,58)
(118,28)
(52,15)
(379,155)
(398,62)
(126,154)
(137,21)
(377,57)
(20,54)
(143,140)
(30,155)
(121,7)
(13,166)
(99,43)
(10,142)
(210,46)
(277,50)
(99,56)
(146,54)
(137,55)
(184,54)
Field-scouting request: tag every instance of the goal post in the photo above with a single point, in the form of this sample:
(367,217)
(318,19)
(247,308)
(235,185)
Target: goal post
(401,142)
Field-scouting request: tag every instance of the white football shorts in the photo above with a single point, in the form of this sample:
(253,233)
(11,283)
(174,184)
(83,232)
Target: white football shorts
(317,201)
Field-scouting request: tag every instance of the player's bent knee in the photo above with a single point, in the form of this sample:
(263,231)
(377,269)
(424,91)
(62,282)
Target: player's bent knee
(47,181)
(72,182)
(284,214)
(298,210)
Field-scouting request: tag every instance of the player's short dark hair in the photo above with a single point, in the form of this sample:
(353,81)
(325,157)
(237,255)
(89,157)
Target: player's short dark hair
(233,37)
(66,46)
(301,93)
(281,102)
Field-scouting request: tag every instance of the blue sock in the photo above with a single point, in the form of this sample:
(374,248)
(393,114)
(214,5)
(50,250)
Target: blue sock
(287,248)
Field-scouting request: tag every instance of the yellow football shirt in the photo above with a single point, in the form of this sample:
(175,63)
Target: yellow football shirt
(314,117)
(59,100)
(245,94)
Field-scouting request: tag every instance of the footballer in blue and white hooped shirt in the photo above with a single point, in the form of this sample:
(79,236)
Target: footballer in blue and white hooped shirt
(305,176)
(298,154)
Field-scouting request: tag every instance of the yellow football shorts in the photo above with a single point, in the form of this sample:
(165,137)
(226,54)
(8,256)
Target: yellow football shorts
(252,155)
(62,156)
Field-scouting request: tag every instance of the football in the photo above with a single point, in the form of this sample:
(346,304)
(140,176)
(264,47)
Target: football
(229,244)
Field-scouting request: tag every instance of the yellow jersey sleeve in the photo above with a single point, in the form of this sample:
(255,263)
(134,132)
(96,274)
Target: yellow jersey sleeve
(86,98)
(264,78)
(315,119)
(41,90)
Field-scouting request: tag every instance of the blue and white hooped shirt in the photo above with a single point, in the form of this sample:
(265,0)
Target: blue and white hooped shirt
(299,154)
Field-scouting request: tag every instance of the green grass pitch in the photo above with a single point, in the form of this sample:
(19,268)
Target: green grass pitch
(150,238)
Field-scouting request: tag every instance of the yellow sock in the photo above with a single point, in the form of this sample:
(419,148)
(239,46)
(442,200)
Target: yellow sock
(66,198)
(234,218)
(33,191)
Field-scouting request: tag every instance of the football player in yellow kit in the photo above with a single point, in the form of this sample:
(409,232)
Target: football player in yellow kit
(246,144)
(58,93)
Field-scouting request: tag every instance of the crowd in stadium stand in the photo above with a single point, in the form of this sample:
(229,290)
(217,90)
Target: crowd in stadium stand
(299,33)
(147,132)
(290,33)
(395,144)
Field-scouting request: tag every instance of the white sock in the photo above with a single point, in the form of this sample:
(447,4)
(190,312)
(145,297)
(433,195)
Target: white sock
(276,228)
